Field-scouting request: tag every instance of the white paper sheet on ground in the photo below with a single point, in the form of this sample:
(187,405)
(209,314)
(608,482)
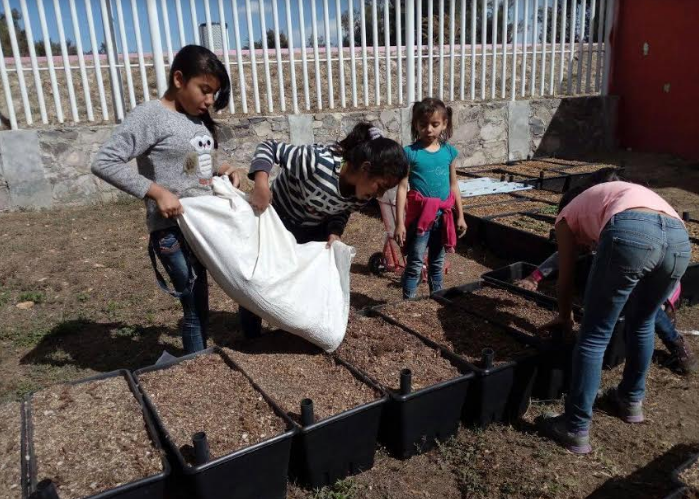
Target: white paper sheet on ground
(486,185)
(302,289)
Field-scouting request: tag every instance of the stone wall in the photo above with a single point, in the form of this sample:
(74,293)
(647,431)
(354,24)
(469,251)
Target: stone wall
(51,168)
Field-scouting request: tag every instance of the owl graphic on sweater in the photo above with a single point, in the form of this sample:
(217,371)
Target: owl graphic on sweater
(200,161)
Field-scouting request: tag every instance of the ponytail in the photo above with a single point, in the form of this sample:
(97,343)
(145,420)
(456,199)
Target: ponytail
(366,144)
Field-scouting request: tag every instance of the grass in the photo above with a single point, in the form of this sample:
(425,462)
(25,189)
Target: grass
(342,489)
(35,296)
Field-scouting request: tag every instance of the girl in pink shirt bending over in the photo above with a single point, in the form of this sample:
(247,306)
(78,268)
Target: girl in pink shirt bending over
(642,252)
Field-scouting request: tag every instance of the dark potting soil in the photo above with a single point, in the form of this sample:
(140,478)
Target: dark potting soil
(10,451)
(529,224)
(382,350)
(690,476)
(533,170)
(511,207)
(585,168)
(290,369)
(205,394)
(91,437)
(463,333)
(508,308)
(560,161)
(693,229)
(487,199)
(540,195)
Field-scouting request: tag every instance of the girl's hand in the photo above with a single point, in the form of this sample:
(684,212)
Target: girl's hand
(461,227)
(528,283)
(399,235)
(168,204)
(331,239)
(260,198)
(233,175)
(565,325)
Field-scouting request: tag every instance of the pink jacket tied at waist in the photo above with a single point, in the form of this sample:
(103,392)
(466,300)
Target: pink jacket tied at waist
(424,210)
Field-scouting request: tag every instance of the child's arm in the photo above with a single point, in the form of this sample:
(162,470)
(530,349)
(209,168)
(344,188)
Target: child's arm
(132,138)
(548,267)
(298,160)
(401,196)
(454,182)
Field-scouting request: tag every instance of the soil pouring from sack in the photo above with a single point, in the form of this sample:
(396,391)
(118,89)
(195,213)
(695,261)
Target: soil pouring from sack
(511,207)
(10,451)
(290,369)
(206,394)
(91,437)
(382,350)
(508,308)
(690,476)
(529,224)
(461,332)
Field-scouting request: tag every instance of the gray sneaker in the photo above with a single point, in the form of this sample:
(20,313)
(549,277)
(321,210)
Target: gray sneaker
(555,427)
(629,412)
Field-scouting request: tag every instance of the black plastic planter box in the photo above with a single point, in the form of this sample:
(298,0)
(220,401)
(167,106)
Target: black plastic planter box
(155,487)
(476,224)
(496,394)
(682,487)
(415,421)
(252,472)
(339,446)
(516,244)
(506,276)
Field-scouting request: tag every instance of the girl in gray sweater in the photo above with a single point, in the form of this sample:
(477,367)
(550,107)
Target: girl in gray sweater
(173,141)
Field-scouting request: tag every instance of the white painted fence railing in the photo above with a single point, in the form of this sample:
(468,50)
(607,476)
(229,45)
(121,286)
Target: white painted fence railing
(388,50)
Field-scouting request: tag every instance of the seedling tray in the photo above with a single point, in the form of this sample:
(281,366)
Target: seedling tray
(259,470)
(497,394)
(516,244)
(155,487)
(414,422)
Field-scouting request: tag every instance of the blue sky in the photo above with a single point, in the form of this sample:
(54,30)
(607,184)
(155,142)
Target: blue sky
(172,16)
(187,19)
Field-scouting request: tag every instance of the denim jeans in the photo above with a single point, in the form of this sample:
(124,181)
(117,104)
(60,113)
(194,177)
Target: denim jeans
(640,258)
(431,241)
(189,279)
(665,329)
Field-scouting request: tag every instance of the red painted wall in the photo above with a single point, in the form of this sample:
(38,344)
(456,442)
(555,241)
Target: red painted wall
(651,118)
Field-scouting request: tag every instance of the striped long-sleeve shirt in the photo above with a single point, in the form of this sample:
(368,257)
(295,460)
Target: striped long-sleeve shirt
(307,190)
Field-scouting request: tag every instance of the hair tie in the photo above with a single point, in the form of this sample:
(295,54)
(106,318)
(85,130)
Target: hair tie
(375,133)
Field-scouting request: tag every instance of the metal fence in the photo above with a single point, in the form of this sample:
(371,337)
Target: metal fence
(358,54)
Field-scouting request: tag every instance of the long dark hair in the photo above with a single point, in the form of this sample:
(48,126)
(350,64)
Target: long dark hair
(385,156)
(195,60)
(423,110)
(599,177)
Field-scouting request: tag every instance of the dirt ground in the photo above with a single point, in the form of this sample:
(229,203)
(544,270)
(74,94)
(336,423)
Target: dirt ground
(96,308)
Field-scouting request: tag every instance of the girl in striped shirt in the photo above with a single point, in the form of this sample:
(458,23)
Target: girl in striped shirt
(320,185)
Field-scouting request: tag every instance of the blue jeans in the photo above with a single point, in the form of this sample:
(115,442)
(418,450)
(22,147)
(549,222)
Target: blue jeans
(189,279)
(430,241)
(640,258)
(665,329)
